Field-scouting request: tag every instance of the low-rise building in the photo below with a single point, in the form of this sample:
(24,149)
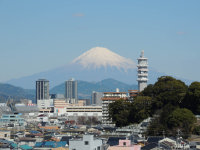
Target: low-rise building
(13,119)
(45,103)
(26,141)
(88,142)
(61,107)
(4,134)
(125,145)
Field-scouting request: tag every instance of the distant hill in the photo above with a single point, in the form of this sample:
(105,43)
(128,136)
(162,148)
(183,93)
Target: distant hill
(85,88)
(8,91)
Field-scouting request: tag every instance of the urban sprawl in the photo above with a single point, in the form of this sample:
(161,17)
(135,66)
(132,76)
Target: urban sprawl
(64,122)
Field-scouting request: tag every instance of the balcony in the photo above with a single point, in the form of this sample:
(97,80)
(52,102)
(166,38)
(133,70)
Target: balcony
(142,79)
(141,65)
(143,75)
(143,69)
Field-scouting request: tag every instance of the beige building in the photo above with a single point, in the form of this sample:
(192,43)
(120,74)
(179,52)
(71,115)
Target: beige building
(61,107)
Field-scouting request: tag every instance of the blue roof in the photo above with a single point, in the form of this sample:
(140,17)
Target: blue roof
(38,144)
(14,145)
(61,144)
(34,131)
(49,144)
(25,147)
(52,144)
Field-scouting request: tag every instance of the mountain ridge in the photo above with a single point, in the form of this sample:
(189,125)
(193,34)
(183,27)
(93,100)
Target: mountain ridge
(8,91)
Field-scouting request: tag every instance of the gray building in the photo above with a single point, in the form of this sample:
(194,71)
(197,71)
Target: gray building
(88,142)
(42,89)
(96,98)
(71,92)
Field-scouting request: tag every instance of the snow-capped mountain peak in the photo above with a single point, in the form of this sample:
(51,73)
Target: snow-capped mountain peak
(102,57)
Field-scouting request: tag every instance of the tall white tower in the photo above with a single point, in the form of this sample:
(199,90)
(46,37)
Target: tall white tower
(142,72)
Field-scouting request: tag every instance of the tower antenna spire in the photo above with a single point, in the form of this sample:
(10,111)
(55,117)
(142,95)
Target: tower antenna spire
(142,54)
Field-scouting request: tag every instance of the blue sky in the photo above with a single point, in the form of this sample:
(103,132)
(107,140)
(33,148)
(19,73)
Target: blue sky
(39,35)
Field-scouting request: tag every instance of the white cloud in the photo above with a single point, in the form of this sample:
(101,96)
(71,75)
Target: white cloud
(78,15)
(180,33)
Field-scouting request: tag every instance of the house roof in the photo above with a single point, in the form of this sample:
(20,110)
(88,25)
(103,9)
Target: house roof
(51,144)
(27,139)
(149,146)
(25,147)
(154,139)
(66,138)
(114,140)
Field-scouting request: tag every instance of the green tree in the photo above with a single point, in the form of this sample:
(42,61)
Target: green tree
(164,113)
(140,109)
(148,91)
(168,90)
(119,112)
(192,98)
(156,128)
(183,119)
(196,130)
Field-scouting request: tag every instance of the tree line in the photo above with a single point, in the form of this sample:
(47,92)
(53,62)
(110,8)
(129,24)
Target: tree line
(170,102)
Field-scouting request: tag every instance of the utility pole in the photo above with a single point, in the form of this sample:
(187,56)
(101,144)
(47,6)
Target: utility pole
(178,137)
(163,132)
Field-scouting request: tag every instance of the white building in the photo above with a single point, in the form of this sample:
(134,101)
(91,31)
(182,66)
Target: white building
(45,103)
(87,143)
(87,111)
(110,97)
(142,72)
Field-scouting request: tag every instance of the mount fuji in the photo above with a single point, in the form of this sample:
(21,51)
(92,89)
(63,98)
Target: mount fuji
(95,65)
(102,57)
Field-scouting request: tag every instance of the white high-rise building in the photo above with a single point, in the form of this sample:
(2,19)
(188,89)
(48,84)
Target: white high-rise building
(142,72)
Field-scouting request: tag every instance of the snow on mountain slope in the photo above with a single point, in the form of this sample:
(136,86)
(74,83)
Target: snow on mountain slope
(102,57)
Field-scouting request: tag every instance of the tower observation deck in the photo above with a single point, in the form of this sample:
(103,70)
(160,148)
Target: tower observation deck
(142,72)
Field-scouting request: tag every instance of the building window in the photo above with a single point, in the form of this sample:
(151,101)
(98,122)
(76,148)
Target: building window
(5,135)
(98,148)
(73,149)
(124,143)
(86,143)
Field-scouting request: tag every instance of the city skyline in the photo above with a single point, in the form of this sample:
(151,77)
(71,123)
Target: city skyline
(33,33)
